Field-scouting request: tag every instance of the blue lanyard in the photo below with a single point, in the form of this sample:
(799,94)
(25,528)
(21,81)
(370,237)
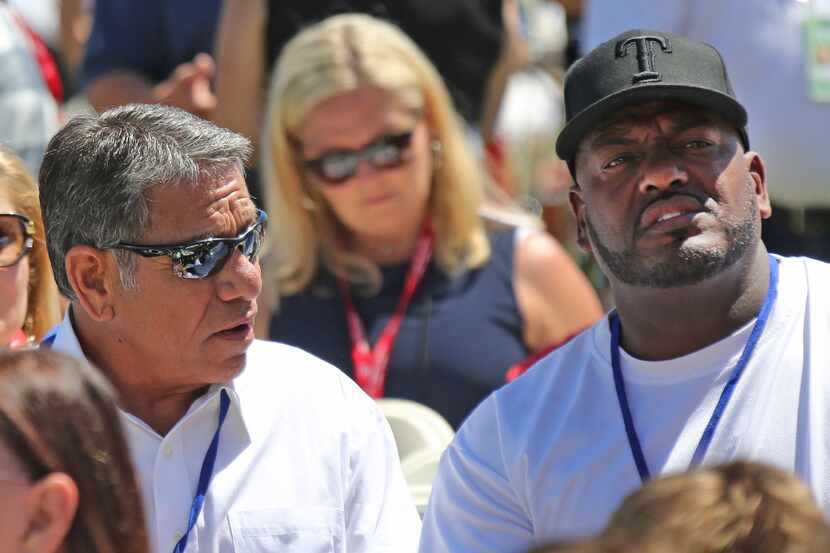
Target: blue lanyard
(725,396)
(49,339)
(205,475)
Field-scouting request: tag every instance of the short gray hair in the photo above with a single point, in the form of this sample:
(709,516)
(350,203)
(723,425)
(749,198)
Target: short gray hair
(97,170)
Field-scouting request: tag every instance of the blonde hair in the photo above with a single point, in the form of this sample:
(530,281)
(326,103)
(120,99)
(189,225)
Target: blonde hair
(338,55)
(613,544)
(736,508)
(43,306)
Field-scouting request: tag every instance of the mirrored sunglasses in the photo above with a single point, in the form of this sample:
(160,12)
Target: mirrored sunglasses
(204,258)
(17,233)
(337,166)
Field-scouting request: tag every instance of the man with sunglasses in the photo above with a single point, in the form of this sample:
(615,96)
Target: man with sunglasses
(240,445)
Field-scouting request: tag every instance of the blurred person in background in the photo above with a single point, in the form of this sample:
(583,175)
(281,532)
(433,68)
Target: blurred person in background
(28,109)
(775,50)
(716,349)
(524,116)
(462,38)
(604,545)
(239,444)
(75,24)
(66,477)
(152,51)
(382,264)
(29,304)
(739,507)
(49,23)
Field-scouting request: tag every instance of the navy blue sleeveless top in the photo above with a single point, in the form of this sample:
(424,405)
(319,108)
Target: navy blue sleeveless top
(459,337)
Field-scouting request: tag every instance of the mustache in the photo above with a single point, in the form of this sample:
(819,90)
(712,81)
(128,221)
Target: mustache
(667,195)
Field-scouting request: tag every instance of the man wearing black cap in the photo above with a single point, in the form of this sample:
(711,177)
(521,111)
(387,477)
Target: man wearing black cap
(716,350)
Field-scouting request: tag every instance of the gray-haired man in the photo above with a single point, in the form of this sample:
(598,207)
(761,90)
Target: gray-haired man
(155,239)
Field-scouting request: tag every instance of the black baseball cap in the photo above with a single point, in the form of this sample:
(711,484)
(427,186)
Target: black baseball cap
(640,66)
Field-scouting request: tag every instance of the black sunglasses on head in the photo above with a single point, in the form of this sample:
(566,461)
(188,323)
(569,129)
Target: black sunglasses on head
(337,166)
(203,258)
(17,234)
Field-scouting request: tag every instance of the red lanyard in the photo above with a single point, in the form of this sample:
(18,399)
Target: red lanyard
(19,340)
(372,363)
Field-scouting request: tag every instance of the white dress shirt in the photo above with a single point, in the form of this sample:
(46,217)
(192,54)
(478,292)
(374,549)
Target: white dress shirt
(306,463)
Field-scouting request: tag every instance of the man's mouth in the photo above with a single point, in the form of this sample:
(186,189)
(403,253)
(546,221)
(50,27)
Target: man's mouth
(670,214)
(241,329)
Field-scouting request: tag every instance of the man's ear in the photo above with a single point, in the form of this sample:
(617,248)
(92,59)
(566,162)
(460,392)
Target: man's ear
(89,271)
(578,208)
(54,499)
(758,174)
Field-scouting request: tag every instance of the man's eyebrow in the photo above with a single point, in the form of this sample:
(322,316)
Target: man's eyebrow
(611,139)
(690,121)
(250,222)
(613,133)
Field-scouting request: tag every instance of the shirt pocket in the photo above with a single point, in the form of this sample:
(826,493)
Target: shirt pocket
(287,530)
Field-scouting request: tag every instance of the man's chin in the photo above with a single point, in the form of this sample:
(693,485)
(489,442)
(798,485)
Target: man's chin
(231,367)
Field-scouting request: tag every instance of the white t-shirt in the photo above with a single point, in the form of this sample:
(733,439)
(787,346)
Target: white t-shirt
(547,457)
(762,43)
(306,462)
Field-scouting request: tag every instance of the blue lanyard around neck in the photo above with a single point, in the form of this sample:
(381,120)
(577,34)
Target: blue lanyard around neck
(205,475)
(725,396)
(49,339)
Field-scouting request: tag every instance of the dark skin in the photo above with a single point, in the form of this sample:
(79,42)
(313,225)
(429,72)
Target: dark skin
(661,187)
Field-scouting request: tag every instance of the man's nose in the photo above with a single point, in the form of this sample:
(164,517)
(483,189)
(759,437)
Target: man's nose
(240,278)
(662,169)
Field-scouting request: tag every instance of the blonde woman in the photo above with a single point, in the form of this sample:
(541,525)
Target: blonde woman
(29,304)
(381,259)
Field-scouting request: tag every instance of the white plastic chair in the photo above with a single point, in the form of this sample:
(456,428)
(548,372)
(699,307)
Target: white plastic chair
(415,426)
(422,435)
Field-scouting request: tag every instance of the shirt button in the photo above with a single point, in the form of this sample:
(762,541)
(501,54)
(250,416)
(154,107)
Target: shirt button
(168,450)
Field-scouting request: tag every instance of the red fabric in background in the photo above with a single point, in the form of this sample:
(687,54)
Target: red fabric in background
(48,67)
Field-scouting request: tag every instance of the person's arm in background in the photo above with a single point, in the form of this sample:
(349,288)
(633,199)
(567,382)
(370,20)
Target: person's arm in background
(125,51)
(75,24)
(241,71)
(514,55)
(555,298)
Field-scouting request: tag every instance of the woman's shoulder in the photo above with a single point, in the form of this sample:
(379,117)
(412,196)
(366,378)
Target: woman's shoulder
(506,242)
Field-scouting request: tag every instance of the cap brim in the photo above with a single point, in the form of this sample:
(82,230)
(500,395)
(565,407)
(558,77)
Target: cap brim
(583,122)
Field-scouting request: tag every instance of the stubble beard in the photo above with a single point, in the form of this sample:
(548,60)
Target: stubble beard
(689,264)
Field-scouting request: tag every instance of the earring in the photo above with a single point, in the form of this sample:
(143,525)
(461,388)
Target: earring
(308,204)
(437,154)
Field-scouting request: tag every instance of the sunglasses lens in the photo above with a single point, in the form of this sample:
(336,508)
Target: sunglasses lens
(12,240)
(336,167)
(386,154)
(253,243)
(208,259)
(203,261)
